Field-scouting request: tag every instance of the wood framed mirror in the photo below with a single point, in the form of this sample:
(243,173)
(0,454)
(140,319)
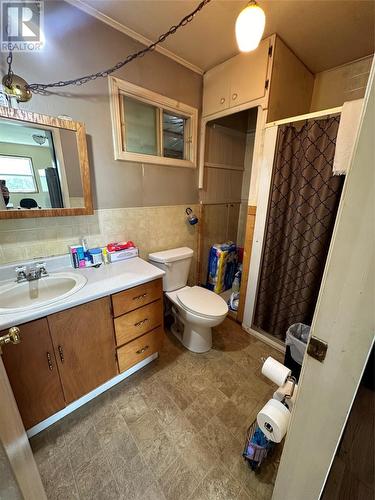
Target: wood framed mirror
(44,168)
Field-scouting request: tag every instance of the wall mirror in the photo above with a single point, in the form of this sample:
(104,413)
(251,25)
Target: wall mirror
(44,169)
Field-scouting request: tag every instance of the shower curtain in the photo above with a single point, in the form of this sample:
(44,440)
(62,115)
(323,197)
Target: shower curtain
(303,203)
(54,187)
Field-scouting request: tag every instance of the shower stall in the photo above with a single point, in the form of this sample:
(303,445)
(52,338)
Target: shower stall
(298,201)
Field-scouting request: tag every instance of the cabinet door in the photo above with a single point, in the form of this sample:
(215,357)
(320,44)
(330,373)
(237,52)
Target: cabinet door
(216,89)
(32,372)
(83,339)
(249,74)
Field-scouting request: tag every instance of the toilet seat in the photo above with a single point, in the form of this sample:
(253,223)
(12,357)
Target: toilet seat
(202,302)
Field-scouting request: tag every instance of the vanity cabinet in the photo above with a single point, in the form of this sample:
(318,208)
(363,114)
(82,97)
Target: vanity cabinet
(33,374)
(138,296)
(138,323)
(70,353)
(60,358)
(132,353)
(83,340)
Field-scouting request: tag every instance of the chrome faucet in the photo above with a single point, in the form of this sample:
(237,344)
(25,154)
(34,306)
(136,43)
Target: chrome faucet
(32,273)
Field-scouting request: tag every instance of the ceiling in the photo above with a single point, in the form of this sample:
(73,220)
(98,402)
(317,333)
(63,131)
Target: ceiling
(322,33)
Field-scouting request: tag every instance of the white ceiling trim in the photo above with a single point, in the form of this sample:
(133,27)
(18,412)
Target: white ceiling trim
(133,34)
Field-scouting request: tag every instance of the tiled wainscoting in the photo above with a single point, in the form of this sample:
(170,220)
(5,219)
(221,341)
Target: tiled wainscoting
(151,229)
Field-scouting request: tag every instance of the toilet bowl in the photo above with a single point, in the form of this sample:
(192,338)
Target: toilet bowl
(195,310)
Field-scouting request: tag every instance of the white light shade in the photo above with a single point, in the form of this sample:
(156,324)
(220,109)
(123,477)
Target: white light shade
(250,27)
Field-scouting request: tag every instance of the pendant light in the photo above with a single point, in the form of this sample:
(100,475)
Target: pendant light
(250,27)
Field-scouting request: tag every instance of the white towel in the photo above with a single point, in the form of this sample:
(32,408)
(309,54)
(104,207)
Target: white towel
(346,136)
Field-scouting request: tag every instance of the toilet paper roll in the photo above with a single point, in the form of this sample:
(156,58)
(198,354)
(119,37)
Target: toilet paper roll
(273,420)
(275,371)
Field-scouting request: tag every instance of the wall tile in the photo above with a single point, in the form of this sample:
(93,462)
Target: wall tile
(151,228)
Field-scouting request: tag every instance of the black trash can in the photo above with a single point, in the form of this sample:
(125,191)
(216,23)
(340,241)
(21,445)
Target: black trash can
(296,342)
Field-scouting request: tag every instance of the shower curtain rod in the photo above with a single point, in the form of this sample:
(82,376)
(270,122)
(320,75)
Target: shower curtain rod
(317,114)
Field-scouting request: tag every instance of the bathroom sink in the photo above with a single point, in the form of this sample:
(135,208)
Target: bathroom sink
(18,297)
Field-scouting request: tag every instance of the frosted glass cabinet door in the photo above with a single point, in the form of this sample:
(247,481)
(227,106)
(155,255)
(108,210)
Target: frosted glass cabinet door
(140,127)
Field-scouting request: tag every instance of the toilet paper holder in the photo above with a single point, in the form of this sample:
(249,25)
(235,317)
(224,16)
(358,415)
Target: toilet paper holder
(294,383)
(285,396)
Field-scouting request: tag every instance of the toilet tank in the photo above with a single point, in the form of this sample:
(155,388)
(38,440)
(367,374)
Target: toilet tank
(176,264)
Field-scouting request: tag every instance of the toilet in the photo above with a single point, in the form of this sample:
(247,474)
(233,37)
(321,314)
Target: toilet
(195,309)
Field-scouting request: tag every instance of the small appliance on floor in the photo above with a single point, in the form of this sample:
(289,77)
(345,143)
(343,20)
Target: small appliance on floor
(195,309)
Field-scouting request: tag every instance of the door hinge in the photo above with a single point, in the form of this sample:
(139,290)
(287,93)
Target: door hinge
(270,49)
(317,349)
(266,84)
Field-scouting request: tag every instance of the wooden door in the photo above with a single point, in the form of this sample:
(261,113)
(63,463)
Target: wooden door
(19,474)
(249,75)
(33,374)
(83,340)
(216,89)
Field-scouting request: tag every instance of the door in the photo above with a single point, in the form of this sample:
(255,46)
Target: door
(216,89)
(344,319)
(33,374)
(20,477)
(249,74)
(83,340)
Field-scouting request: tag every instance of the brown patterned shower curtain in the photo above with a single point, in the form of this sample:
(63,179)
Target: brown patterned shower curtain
(302,210)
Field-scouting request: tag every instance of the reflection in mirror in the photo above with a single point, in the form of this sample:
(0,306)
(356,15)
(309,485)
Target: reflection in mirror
(39,167)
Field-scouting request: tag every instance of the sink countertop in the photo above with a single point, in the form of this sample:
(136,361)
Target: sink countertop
(102,281)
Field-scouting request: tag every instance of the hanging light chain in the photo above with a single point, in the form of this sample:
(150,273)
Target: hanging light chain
(10,72)
(42,87)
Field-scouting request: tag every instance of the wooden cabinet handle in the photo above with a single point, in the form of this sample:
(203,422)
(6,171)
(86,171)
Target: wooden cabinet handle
(144,349)
(222,100)
(138,297)
(61,353)
(49,361)
(140,323)
(234,96)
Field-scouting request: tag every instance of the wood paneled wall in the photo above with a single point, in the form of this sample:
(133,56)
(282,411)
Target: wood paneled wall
(225,147)
(250,224)
(220,224)
(221,196)
(224,164)
(223,185)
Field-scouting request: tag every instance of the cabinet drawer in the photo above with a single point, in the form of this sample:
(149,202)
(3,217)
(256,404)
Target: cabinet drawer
(132,353)
(135,323)
(138,296)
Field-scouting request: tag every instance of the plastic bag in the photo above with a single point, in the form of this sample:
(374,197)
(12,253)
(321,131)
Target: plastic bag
(297,336)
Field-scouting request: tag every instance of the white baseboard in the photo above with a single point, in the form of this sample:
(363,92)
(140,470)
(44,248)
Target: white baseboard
(264,338)
(88,397)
